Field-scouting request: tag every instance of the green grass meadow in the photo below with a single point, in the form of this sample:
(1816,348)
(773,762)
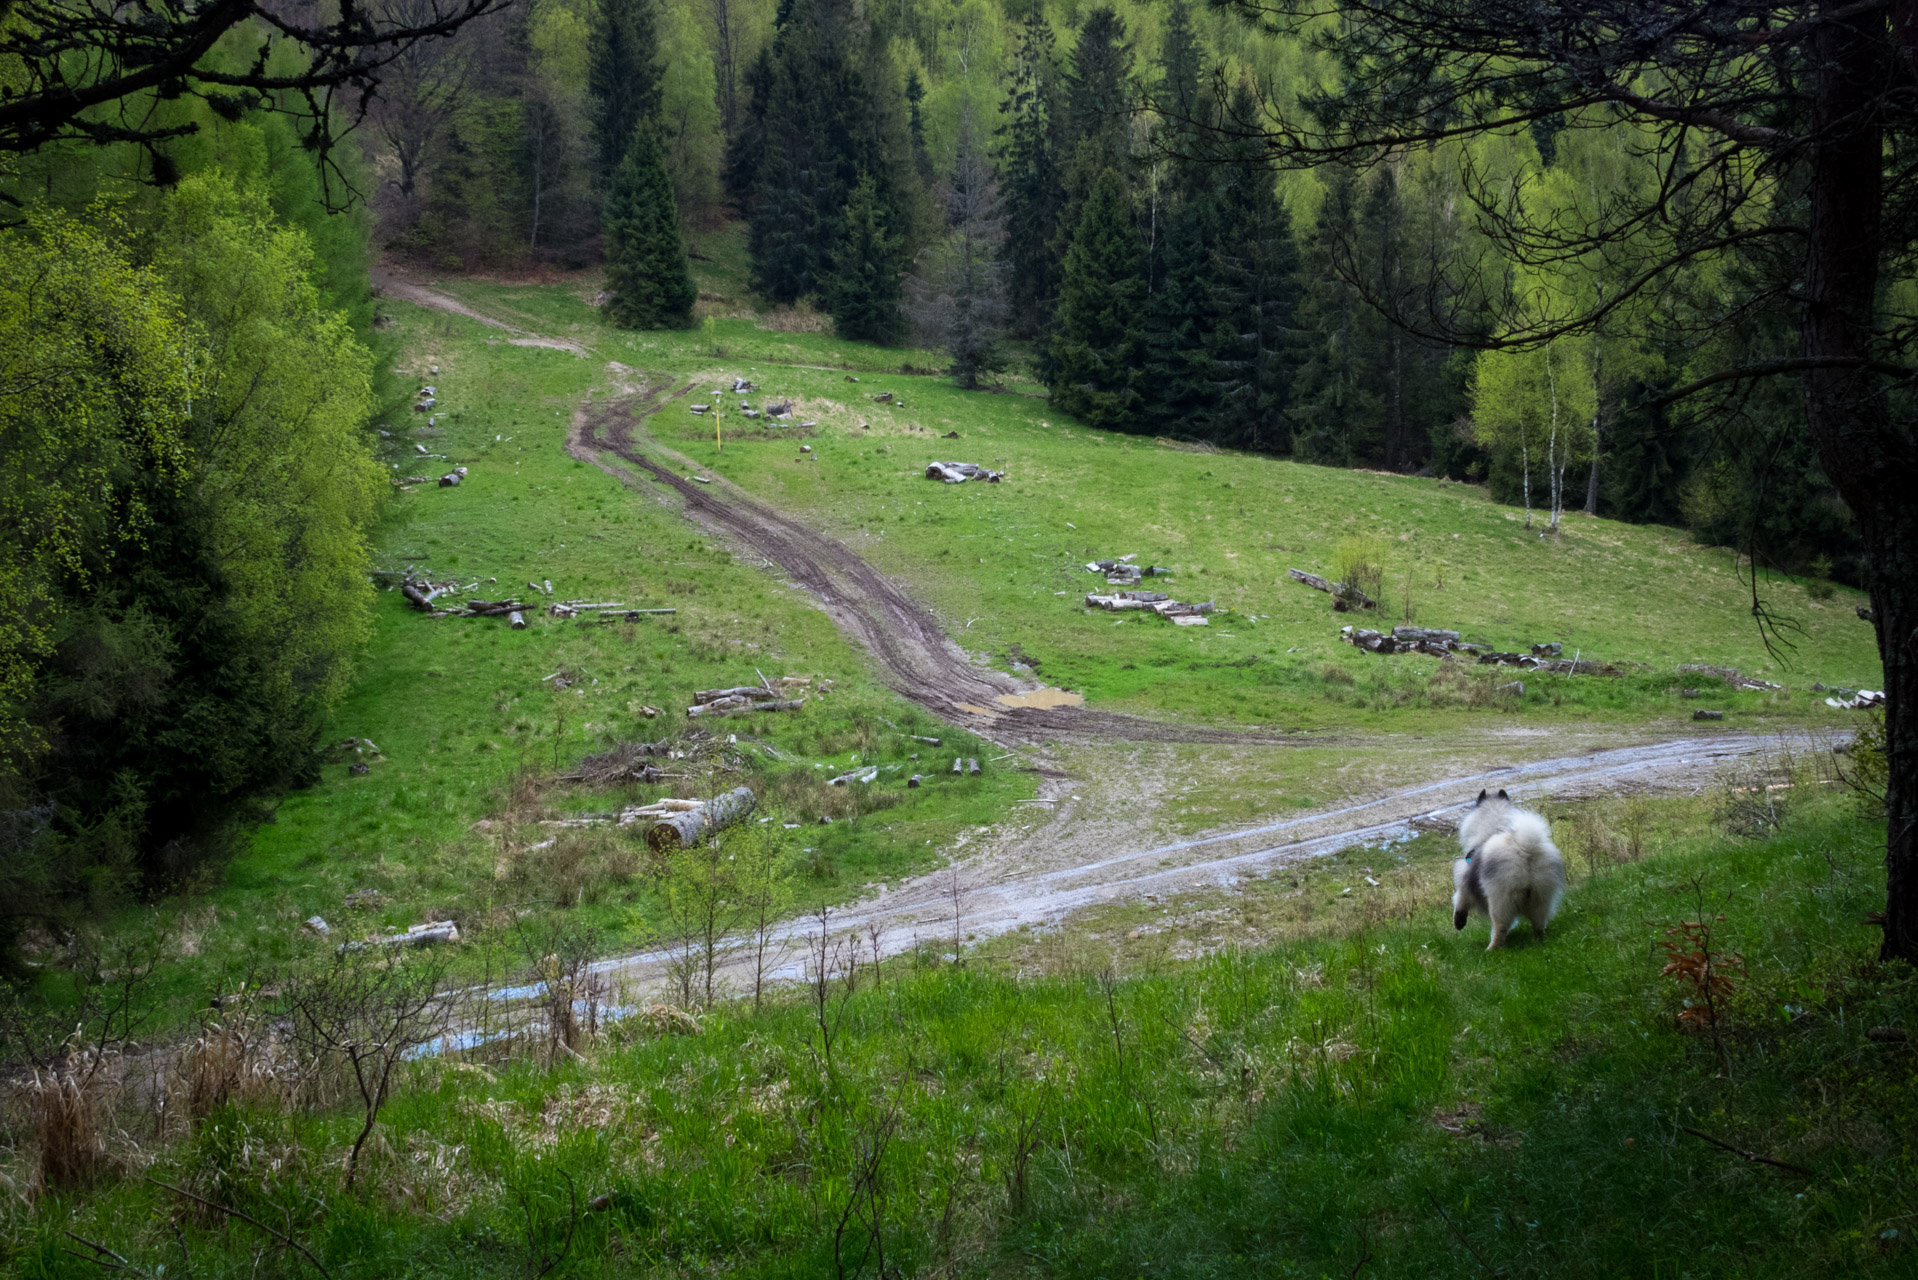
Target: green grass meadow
(1307,1075)
(1387,1099)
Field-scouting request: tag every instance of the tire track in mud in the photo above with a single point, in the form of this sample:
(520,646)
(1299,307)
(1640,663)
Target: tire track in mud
(915,655)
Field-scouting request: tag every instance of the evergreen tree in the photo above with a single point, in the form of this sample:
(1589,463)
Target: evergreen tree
(747,148)
(916,126)
(1256,286)
(647,280)
(865,288)
(1034,197)
(1181,380)
(622,76)
(1337,391)
(834,114)
(959,294)
(1179,97)
(1100,341)
(1098,105)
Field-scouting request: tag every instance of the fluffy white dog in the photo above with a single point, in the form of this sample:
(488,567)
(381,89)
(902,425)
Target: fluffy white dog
(1510,868)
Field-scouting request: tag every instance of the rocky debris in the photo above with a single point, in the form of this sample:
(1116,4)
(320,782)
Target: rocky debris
(1122,572)
(960,472)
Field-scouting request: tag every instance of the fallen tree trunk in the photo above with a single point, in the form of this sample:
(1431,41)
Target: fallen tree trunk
(754,691)
(420,935)
(729,705)
(868,774)
(1337,590)
(684,830)
(516,620)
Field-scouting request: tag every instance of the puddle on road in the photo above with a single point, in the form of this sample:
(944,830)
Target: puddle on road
(1041,699)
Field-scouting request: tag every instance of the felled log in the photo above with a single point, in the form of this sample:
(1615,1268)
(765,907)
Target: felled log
(741,691)
(724,706)
(492,608)
(884,397)
(958,765)
(701,408)
(917,738)
(1115,602)
(913,781)
(684,830)
(1549,649)
(516,620)
(972,767)
(867,774)
(420,935)
(419,599)
(1425,634)
(1337,590)
(1702,714)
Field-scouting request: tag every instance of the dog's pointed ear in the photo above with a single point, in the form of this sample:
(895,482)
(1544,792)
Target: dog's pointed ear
(1502,795)
(1481,796)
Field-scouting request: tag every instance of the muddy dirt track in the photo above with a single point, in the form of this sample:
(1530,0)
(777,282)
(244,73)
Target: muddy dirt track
(913,652)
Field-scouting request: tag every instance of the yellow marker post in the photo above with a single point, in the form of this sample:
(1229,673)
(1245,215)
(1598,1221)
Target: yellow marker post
(719,445)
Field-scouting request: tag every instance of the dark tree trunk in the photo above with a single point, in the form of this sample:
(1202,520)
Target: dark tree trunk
(1850,421)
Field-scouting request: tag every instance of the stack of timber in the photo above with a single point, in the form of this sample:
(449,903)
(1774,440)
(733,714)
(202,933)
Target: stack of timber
(1407,640)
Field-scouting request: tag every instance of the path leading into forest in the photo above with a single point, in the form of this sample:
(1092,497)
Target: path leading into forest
(1104,827)
(914,654)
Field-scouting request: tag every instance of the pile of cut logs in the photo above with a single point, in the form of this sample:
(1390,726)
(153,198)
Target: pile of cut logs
(1181,613)
(686,828)
(1543,657)
(960,472)
(748,697)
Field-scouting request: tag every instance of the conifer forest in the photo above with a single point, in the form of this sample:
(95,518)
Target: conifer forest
(851,637)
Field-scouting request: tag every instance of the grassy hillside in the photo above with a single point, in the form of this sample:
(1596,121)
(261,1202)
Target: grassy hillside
(1387,1098)
(1004,564)
(468,719)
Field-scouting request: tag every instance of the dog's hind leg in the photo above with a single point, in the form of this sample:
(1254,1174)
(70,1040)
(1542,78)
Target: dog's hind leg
(1501,925)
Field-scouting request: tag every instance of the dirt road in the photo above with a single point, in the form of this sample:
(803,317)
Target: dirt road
(1046,875)
(912,650)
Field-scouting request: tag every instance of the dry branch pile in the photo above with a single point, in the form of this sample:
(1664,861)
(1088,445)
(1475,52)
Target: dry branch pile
(1181,613)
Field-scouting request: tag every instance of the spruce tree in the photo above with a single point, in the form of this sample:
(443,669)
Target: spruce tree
(622,76)
(647,280)
(1337,391)
(865,289)
(1033,195)
(1179,97)
(1099,106)
(1256,286)
(959,294)
(916,126)
(834,114)
(1181,381)
(748,147)
(1099,345)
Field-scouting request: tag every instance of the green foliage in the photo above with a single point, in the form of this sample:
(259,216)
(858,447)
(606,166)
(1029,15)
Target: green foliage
(96,373)
(647,282)
(1029,171)
(622,77)
(1099,102)
(1100,340)
(188,657)
(865,289)
(1181,380)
